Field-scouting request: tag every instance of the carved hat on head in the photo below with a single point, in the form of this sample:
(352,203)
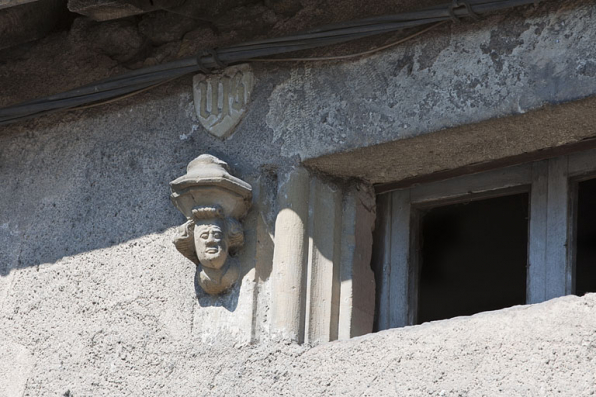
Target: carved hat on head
(208,182)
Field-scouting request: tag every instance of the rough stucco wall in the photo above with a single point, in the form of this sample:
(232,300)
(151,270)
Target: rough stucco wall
(95,299)
(540,350)
(456,75)
(459,74)
(89,212)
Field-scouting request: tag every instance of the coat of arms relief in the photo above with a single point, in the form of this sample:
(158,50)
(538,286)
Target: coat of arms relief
(221,99)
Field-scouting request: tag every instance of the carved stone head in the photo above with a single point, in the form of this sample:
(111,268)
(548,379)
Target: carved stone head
(213,202)
(211,240)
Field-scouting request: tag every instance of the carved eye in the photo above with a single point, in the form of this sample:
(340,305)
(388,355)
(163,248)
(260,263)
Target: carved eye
(205,236)
(217,235)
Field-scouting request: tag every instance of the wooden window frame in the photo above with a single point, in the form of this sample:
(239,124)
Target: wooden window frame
(552,187)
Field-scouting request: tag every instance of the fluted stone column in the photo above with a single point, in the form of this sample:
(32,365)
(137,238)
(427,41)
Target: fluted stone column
(323,288)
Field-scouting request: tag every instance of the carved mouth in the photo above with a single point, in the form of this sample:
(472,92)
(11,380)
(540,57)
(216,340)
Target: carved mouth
(212,250)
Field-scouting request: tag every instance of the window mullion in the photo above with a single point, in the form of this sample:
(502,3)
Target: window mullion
(558,224)
(399,302)
(536,280)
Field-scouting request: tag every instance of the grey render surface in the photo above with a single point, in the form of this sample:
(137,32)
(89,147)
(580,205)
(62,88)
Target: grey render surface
(94,299)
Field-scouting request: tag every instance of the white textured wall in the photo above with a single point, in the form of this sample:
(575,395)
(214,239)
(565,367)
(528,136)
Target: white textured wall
(541,350)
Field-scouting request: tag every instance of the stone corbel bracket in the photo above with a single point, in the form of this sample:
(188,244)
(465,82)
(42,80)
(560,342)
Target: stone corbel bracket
(213,202)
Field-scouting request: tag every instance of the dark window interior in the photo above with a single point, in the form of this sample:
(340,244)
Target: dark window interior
(473,257)
(585,260)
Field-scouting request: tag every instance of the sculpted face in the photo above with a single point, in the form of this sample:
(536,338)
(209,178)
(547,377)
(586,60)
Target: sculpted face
(211,243)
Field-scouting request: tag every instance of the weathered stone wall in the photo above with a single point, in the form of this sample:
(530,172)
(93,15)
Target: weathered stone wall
(95,300)
(457,75)
(461,74)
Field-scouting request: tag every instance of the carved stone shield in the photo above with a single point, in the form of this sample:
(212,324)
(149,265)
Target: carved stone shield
(221,99)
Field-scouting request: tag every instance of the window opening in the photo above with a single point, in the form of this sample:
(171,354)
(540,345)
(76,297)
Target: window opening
(585,259)
(473,257)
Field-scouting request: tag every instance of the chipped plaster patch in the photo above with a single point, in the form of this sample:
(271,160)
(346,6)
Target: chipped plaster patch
(184,137)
